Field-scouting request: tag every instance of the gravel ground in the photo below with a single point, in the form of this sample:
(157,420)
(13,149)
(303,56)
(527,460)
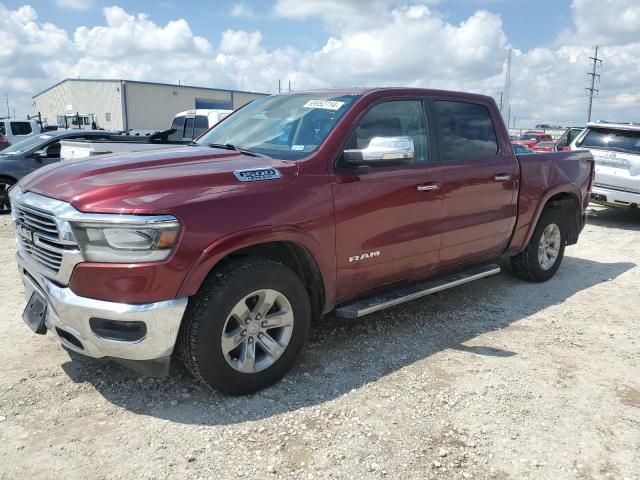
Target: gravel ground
(495,379)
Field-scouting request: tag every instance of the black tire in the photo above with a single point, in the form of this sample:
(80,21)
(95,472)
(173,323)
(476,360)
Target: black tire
(526,264)
(5,185)
(199,340)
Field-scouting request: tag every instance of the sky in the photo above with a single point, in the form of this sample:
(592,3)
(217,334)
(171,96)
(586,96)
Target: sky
(250,45)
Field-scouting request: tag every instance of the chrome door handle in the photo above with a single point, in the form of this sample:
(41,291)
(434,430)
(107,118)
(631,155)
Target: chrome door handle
(428,187)
(502,178)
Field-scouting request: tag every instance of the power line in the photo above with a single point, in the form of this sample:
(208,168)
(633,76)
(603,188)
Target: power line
(593,76)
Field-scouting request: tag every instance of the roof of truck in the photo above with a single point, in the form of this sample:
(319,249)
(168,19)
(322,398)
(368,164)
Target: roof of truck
(372,90)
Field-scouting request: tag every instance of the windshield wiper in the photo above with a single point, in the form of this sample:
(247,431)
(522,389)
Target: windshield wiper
(231,146)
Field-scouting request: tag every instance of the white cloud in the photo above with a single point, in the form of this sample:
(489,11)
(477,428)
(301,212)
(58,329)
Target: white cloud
(241,10)
(75,4)
(376,42)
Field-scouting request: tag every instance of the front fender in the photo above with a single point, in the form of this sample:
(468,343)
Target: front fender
(229,244)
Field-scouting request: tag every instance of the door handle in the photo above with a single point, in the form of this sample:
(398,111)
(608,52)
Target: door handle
(428,187)
(503,177)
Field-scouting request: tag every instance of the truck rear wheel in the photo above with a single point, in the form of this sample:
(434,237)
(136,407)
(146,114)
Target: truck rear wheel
(246,327)
(543,256)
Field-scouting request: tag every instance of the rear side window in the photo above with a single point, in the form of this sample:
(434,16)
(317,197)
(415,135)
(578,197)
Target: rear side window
(21,128)
(466,131)
(201,125)
(2,130)
(611,139)
(178,126)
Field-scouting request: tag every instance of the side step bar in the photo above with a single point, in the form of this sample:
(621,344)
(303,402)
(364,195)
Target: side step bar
(375,304)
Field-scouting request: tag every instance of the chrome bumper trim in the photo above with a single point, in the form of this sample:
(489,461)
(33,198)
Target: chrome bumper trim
(71,313)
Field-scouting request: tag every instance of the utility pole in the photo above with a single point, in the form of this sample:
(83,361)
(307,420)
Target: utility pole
(289,85)
(6,95)
(279,86)
(506,92)
(501,93)
(592,90)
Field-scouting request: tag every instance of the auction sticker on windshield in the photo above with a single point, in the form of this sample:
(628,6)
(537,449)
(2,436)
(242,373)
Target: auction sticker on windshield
(324,104)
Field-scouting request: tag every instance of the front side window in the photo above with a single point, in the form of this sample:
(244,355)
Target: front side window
(466,131)
(287,127)
(401,118)
(21,128)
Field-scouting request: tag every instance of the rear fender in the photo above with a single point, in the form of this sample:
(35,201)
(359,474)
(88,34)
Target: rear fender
(522,237)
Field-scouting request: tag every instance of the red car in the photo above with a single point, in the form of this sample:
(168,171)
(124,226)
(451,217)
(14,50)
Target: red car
(544,146)
(529,139)
(293,206)
(4,143)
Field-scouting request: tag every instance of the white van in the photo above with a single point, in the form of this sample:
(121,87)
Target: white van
(15,130)
(190,124)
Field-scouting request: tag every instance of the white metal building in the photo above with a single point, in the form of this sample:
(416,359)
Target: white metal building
(126,104)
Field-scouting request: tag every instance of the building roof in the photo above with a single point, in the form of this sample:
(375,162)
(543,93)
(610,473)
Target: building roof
(144,83)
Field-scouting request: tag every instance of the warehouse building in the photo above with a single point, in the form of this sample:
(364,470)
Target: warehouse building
(125,104)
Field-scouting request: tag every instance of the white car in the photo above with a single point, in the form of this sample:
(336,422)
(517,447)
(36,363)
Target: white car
(190,124)
(15,130)
(616,150)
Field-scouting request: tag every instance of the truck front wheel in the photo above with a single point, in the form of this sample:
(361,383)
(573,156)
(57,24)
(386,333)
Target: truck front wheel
(246,326)
(543,255)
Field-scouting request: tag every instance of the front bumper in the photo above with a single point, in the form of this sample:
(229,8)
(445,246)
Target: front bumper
(612,196)
(68,318)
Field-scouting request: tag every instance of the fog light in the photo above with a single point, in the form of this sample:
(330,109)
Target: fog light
(116,330)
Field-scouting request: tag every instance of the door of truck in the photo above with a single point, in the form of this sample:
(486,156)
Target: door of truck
(481,177)
(388,217)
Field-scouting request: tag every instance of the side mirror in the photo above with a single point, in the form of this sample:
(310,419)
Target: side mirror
(382,150)
(39,154)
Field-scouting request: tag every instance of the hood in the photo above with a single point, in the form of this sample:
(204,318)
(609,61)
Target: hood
(152,181)
(526,143)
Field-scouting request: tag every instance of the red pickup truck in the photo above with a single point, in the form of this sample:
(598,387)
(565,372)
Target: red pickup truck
(223,252)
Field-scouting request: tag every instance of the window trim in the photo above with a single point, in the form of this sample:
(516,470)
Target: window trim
(340,167)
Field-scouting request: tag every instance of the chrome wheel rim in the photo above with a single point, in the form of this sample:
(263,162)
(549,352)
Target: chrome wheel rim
(549,246)
(257,331)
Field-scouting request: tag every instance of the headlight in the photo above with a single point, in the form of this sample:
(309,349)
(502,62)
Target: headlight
(126,243)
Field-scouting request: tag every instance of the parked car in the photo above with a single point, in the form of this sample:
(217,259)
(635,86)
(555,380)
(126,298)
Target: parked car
(4,143)
(616,150)
(190,124)
(544,147)
(521,149)
(294,206)
(32,153)
(15,130)
(529,139)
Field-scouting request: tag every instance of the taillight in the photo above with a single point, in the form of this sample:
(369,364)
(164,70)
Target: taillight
(3,140)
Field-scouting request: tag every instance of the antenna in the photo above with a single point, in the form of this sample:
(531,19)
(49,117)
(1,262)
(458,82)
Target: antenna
(593,91)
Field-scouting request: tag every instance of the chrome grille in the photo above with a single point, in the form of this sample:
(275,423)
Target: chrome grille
(37,233)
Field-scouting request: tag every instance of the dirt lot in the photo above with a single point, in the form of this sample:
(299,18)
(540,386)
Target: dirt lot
(495,379)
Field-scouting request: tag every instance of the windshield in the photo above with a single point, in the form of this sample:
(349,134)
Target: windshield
(287,127)
(610,139)
(25,145)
